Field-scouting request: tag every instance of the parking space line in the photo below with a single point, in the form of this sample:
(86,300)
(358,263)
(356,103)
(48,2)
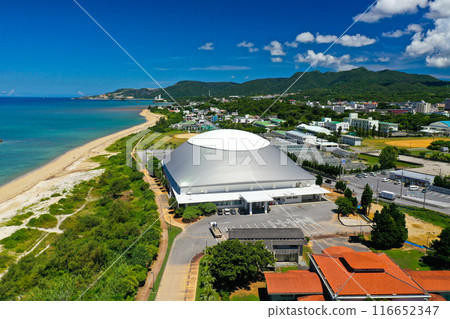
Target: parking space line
(256,226)
(263,225)
(248,226)
(271,224)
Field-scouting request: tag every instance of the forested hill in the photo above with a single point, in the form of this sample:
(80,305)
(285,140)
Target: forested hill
(356,84)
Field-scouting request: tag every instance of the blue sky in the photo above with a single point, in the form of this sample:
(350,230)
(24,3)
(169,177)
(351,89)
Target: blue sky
(52,48)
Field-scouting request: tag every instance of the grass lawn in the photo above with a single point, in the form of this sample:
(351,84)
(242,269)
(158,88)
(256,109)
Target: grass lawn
(173,233)
(407,259)
(250,294)
(167,137)
(244,297)
(199,281)
(286,269)
(372,160)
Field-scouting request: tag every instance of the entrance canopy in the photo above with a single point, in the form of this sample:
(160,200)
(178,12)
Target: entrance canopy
(256,197)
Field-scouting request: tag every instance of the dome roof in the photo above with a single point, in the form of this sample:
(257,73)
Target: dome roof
(229,140)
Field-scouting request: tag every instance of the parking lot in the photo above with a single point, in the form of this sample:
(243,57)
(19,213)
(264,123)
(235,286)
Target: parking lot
(357,184)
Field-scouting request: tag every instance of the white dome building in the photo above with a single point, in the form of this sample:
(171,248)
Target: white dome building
(234,168)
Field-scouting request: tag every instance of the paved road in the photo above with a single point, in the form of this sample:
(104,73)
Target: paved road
(357,184)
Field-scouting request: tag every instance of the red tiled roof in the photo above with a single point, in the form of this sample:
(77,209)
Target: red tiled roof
(433,280)
(311,298)
(345,282)
(293,282)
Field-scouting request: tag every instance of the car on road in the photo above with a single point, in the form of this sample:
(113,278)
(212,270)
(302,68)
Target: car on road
(413,187)
(397,182)
(373,174)
(385,180)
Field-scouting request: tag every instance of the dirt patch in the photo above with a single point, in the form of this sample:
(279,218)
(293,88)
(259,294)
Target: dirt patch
(185,135)
(410,143)
(420,232)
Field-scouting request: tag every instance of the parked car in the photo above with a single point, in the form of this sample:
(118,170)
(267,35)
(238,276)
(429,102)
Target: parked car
(383,173)
(219,212)
(424,190)
(233,211)
(397,182)
(364,175)
(359,175)
(227,211)
(328,181)
(413,187)
(385,180)
(373,174)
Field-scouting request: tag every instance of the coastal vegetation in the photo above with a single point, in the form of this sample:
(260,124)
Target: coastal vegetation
(111,215)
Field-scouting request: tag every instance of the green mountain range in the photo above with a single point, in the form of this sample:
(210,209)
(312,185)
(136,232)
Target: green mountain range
(356,84)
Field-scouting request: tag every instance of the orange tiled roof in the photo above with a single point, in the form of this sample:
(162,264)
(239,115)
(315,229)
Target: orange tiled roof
(433,280)
(337,250)
(363,260)
(389,280)
(311,298)
(293,282)
(436,297)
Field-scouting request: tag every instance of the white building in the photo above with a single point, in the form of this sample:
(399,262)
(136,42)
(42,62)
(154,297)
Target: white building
(233,168)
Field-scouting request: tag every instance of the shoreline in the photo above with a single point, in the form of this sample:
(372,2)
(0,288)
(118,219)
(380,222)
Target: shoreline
(74,160)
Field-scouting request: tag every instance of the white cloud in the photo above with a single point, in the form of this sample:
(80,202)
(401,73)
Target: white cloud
(275,48)
(207,46)
(388,8)
(292,44)
(325,38)
(325,60)
(305,37)
(8,93)
(412,28)
(360,59)
(221,68)
(232,76)
(434,43)
(276,59)
(80,93)
(383,59)
(246,77)
(438,61)
(356,40)
(249,45)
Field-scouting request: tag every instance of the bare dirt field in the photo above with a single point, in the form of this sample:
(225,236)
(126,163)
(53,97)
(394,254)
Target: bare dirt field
(185,135)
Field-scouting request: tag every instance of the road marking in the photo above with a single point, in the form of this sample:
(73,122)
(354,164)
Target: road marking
(248,226)
(256,226)
(241,226)
(271,224)
(263,225)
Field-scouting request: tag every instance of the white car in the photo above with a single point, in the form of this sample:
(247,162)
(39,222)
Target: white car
(385,180)
(227,211)
(413,188)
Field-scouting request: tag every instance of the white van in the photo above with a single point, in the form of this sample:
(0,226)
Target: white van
(413,187)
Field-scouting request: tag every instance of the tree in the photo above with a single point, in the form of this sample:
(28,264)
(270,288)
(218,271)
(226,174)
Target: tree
(191,213)
(388,157)
(345,206)
(349,194)
(366,199)
(234,264)
(389,228)
(441,254)
(208,208)
(118,185)
(341,186)
(319,180)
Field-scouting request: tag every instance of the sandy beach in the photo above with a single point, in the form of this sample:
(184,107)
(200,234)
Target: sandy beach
(75,160)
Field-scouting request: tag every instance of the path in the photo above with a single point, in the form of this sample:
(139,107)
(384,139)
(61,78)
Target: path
(162,203)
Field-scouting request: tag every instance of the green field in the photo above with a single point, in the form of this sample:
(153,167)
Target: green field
(372,160)
(22,240)
(407,259)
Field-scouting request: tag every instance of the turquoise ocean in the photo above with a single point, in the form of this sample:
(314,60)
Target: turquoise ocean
(37,130)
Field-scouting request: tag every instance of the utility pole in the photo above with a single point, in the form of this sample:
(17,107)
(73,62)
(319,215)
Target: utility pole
(424,196)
